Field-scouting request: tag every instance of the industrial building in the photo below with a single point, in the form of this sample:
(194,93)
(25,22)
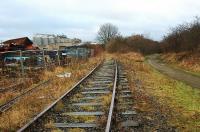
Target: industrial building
(54,42)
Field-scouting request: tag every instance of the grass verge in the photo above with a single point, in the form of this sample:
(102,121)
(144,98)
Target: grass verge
(180,99)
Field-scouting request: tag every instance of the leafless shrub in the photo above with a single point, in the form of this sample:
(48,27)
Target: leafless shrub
(137,43)
(184,37)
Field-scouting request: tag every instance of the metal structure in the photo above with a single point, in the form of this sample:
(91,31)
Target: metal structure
(20,63)
(48,39)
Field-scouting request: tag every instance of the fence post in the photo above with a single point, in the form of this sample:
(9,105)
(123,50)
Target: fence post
(58,56)
(22,65)
(77,55)
(43,55)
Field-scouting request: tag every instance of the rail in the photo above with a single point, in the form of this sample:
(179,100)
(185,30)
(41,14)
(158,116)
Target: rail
(109,120)
(55,102)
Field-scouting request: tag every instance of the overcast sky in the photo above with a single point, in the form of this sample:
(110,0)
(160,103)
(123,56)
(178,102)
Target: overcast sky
(82,18)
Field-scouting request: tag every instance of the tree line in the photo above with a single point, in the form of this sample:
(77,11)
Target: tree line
(184,37)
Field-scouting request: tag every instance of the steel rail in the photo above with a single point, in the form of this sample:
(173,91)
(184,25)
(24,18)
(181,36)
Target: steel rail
(109,120)
(7,105)
(55,102)
(11,87)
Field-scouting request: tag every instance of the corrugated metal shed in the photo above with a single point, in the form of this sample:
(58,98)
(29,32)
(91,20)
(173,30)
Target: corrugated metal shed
(19,41)
(76,51)
(18,44)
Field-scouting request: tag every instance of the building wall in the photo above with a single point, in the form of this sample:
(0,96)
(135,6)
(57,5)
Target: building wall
(56,46)
(53,42)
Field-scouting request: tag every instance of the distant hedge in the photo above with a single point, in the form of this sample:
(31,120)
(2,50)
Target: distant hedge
(137,43)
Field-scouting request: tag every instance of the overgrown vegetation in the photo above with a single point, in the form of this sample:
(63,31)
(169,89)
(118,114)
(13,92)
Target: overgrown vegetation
(137,43)
(188,61)
(184,37)
(158,97)
(180,47)
(32,104)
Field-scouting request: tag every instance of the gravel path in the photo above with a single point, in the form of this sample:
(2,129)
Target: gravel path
(177,74)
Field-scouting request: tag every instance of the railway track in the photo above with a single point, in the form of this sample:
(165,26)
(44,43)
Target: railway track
(7,105)
(17,85)
(99,102)
(12,87)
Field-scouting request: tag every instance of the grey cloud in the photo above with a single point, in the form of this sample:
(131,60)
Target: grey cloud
(79,18)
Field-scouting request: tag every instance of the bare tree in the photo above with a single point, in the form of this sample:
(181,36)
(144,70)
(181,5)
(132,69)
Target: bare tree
(107,32)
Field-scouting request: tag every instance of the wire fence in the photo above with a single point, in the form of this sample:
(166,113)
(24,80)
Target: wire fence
(21,64)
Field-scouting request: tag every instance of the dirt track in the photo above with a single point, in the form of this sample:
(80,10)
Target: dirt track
(180,75)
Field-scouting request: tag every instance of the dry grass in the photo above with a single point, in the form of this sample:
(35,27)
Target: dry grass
(5,82)
(182,100)
(8,95)
(29,106)
(106,99)
(59,106)
(102,121)
(76,130)
(50,125)
(86,119)
(184,60)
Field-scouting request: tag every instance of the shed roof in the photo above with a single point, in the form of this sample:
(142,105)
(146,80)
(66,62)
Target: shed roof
(19,41)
